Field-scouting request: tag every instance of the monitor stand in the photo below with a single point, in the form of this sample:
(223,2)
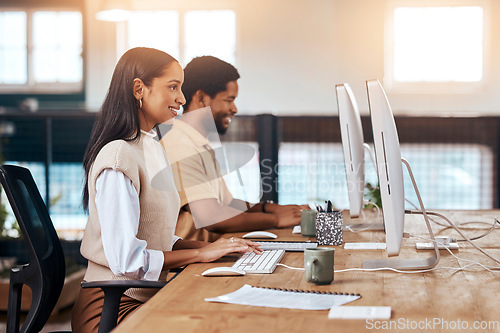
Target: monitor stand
(364,226)
(409,264)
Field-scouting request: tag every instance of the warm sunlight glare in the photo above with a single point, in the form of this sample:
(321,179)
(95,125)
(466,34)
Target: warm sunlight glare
(210,33)
(438,44)
(157,29)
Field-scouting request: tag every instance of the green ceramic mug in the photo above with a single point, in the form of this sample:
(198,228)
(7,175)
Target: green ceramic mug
(318,263)
(308,222)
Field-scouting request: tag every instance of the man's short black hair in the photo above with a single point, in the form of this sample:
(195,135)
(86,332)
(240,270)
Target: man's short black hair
(208,74)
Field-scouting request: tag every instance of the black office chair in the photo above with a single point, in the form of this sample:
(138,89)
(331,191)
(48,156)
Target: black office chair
(44,273)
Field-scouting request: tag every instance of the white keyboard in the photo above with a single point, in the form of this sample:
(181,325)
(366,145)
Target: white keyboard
(287,246)
(259,263)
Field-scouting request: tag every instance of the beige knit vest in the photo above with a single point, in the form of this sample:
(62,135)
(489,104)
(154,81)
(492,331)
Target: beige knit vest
(145,163)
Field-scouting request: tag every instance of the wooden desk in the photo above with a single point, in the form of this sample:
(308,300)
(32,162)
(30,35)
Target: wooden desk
(468,296)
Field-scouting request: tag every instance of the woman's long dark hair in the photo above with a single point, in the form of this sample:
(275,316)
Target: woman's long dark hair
(118,118)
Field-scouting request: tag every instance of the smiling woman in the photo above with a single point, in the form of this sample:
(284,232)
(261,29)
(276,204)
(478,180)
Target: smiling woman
(132,215)
(162,99)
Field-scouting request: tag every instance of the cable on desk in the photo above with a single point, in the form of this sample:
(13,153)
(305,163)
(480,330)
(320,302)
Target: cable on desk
(456,269)
(473,263)
(488,268)
(493,227)
(371,203)
(460,232)
(413,272)
(365,202)
(290,267)
(460,225)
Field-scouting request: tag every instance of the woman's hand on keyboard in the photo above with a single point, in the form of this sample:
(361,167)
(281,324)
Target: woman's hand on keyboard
(224,246)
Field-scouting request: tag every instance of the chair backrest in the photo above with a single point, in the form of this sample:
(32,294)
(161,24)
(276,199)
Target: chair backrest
(44,273)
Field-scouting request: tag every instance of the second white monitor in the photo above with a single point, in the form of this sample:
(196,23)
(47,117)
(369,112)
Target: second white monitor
(353,147)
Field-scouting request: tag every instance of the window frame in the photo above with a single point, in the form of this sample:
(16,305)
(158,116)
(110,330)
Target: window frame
(181,9)
(12,94)
(421,87)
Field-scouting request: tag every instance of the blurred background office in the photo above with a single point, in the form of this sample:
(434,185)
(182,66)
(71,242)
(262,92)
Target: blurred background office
(438,62)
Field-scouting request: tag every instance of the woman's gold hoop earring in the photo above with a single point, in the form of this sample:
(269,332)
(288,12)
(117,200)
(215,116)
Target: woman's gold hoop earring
(140,103)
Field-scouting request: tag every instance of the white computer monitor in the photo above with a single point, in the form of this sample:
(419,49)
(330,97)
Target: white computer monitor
(390,175)
(351,132)
(389,167)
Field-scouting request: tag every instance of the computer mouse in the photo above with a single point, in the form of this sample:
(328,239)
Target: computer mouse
(260,234)
(223,271)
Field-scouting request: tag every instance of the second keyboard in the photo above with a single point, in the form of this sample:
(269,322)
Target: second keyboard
(287,246)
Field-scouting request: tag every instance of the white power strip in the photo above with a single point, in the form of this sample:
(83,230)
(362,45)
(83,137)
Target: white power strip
(430,246)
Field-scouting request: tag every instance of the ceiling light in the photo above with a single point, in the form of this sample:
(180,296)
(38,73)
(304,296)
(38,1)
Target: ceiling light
(114,10)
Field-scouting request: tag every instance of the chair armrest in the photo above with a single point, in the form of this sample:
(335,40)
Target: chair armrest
(113,289)
(124,284)
(19,268)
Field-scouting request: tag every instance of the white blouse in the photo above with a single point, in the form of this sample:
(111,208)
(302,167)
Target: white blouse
(117,203)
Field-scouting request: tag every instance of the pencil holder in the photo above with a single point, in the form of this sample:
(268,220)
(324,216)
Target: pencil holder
(329,228)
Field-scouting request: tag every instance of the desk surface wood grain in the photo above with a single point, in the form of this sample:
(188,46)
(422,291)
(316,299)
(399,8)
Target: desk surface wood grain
(458,297)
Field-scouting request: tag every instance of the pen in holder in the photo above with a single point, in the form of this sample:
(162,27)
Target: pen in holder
(329,228)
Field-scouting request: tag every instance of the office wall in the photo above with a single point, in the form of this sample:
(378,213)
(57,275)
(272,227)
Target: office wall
(291,53)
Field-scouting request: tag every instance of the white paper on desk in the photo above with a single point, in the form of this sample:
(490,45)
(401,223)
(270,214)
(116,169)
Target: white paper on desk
(248,295)
(297,229)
